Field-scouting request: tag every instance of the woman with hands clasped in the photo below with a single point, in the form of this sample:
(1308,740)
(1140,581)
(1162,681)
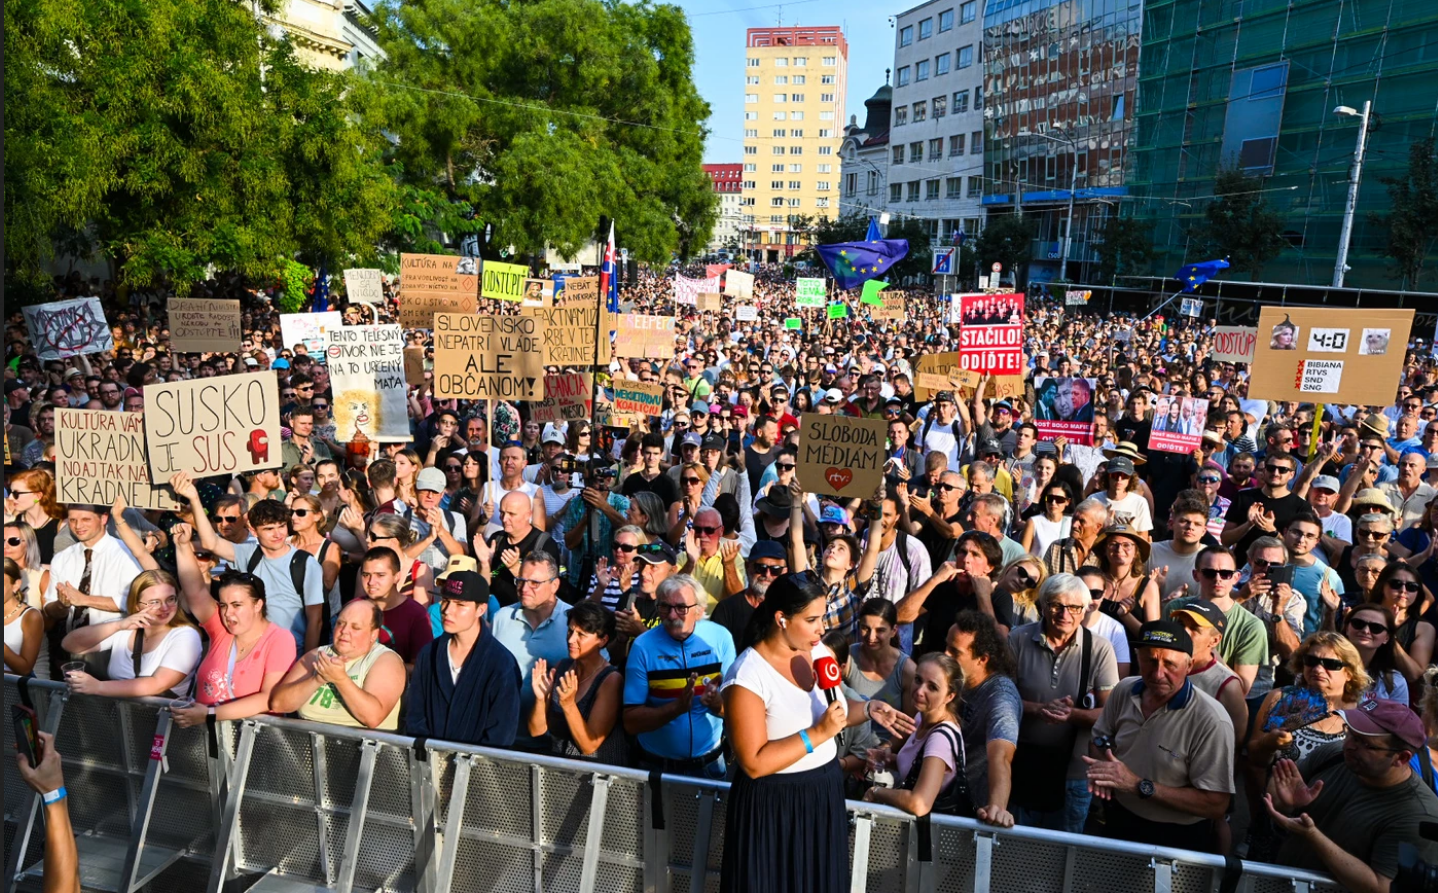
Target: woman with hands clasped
(786,827)
(577,701)
(931,762)
(154,648)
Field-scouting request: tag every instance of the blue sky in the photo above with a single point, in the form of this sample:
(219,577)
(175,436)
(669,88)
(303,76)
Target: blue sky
(719,27)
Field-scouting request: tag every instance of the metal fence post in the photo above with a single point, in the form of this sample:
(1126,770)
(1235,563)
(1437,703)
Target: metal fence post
(225,835)
(594,840)
(859,872)
(320,770)
(421,803)
(983,861)
(536,823)
(1162,875)
(703,833)
(140,826)
(458,799)
(359,808)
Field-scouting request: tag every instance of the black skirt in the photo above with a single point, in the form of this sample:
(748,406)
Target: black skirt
(787,834)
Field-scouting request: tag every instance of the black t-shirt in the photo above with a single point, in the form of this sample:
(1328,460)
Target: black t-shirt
(756,464)
(1167,474)
(1130,430)
(501,585)
(937,544)
(662,486)
(1284,509)
(944,605)
(733,614)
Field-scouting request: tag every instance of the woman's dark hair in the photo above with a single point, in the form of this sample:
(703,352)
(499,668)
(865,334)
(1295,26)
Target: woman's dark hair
(1384,664)
(881,608)
(838,642)
(727,505)
(481,459)
(12,570)
(953,677)
(987,643)
(787,595)
(594,619)
(248,582)
(986,543)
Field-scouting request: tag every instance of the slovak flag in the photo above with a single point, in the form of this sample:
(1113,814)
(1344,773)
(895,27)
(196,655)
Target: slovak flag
(608,274)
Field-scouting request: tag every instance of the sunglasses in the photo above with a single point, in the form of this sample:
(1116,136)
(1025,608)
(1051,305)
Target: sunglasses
(1331,664)
(13,541)
(707,531)
(320,405)
(1373,534)
(626,548)
(301,513)
(689,482)
(22,492)
(785,466)
(1210,479)
(947,488)
(1057,500)
(1213,573)
(1278,469)
(227,519)
(1369,626)
(1404,585)
(768,570)
(1023,577)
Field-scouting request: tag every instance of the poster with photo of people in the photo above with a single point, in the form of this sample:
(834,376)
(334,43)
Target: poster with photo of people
(1063,407)
(1177,424)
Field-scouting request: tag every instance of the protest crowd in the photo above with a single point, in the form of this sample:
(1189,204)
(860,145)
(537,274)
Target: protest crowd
(1091,586)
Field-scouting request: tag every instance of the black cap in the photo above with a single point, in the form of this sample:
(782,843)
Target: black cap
(945,397)
(1168,634)
(768,549)
(990,445)
(1206,613)
(657,553)
(713,442)
(466,586)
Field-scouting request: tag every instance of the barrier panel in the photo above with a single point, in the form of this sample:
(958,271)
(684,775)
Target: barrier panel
(285,805)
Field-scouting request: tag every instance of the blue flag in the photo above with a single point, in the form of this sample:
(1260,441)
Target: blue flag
(959,237)
(873,235)
(1194,275)
(854,263)
(322,290)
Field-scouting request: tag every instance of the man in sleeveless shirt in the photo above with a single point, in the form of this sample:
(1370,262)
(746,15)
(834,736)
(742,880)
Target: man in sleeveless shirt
(355,681)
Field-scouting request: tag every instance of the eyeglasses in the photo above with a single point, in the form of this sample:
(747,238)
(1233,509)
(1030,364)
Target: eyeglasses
(301,513)
(1210,479)
(1072,610)
(1278,469)
(452,469)
(1214,573)
(1369,626)
(676,610)
(769,570)
(319,405)
(785,466)
(626,548)
(170,602)
(1331,664)
(707,531)
(1402,585)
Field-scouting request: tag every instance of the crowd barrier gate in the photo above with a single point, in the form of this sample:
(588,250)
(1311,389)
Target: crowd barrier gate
(294,806)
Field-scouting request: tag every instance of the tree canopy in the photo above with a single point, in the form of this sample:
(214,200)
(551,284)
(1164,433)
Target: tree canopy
(1240,224)
(1410,232)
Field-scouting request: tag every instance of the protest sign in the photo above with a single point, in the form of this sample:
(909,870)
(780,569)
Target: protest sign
(890,306)
(793,324)
(991,338)
(1234,344)
(225,425)
(947,365)
(810,293)
(638,397)
(687,291)
(1178,424)
(746,313)
(309,330)
(840,456)
(204,326)
(538,293)
(738,284)
(870,293)
(1063,407)
(367,375)
(644,337)
(414,365)
(839,311)
(570,332)
(712,271)
(436,283)
(568,397)
(1191,307)
(578,289)
(709,301)
(68,328)
(101,454)
(364,285)
(503,282)
(1077,298)
(1329,354)
(488,357)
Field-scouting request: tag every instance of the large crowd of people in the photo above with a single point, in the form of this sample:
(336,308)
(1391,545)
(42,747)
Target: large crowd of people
(1228,651)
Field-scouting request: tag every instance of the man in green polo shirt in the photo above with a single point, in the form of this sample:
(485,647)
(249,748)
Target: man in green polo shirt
(1244,646)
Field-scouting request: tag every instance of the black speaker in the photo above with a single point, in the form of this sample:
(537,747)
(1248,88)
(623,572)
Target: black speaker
(631,272)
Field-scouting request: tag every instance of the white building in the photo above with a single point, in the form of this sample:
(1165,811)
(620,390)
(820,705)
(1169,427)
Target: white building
(864,156)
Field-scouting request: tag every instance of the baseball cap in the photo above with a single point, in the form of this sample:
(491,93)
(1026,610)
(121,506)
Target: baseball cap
(251,361)
(281,363)
(458,564)
(1383,717)
(1326,482)
(431,479)
(1004,405)
(990,445)
(14,385)
(712,442)
(1206,613)
(692,439)
(741,412)
(1121,464)
(700,407)
(768,549)
(833,395)
(1045,448)
(833,514)
(465,586)
(779,389)
(945,397)
(1164,634)
(552,434)
(657,553)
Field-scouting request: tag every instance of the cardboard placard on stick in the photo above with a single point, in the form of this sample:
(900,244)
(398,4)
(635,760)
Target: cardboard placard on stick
(101,454)
(947,365)
(414,366)
(538,292)
(810,292)
(890,306)
(488,357)
(436,283)
(68,328)
(310,330)
(568,397)
(1330,355)
(991,334)
(738,284)
(840,456)
(709,301)
(570,333)
(367,375)
(1063,407)
(212,426)
(364,285)
(503,282)
(578,289)
(1234,344)
(644,337)
(638,397)
(204,325)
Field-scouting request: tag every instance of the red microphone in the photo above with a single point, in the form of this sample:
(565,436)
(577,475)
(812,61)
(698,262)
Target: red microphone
(826,669)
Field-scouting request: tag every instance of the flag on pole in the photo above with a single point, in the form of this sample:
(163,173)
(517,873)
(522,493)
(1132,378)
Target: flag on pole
(322,290)
(873,235)
(1194,275)
(959,237)
(608,275)
(854,263)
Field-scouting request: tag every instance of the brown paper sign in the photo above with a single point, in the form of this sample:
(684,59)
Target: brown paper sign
(840,456)
(579,288)
(567,398)
(488,357)
(645,337)
(204,326)
(1330,355)
(436,283)
(709,301)
(644,398)
(571,331)
(414,366)
(101,454)
(213,426)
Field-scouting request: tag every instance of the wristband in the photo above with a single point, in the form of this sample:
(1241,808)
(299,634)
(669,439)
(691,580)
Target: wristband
(211,711)
(54,796)
(803,736)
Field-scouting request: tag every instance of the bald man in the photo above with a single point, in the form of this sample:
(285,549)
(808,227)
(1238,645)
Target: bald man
(714,560)
(505,551)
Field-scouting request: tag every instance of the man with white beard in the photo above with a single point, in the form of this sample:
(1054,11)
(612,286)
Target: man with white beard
(768,561)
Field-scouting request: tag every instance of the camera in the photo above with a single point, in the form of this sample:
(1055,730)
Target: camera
(1414,874)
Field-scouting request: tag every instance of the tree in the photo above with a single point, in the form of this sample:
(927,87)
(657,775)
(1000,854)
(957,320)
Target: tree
(1009,240)
(542,116)
(1240,225)
(1125,248)
(1411,230)
(177,136)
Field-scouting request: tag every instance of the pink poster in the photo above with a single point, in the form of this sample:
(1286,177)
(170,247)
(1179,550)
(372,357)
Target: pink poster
(1178,424)
(991,336)
(1063,407)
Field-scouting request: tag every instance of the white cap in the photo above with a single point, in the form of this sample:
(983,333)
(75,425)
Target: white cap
(834,395)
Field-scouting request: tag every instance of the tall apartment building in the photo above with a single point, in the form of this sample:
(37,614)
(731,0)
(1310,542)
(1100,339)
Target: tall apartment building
(936,136)
(728,180)
(794,83)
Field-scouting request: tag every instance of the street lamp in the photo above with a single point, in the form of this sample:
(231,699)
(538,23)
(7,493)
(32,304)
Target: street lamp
(1073,188)
(1340,266)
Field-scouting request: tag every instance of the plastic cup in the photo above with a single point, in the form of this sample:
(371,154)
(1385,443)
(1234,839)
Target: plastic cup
(181,704)
(74,666)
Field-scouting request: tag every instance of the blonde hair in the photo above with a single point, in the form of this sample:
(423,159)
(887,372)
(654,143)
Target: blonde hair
(1358,679)
(149,580)
(1028,598)
(1430,701)
(313,504)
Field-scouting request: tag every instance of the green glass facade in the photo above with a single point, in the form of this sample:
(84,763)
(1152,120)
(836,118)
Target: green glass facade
(1252,84)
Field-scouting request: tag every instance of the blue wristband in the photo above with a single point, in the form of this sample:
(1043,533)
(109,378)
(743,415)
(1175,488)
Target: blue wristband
(54,796)
(803,736)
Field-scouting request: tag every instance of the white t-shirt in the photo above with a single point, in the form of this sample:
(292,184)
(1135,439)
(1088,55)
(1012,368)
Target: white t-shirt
(1116,633)
(788,708)
(1340,527)
(180,651)
(1132,510)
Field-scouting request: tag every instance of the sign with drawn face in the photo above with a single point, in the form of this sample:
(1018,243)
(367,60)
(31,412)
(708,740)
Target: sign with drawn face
(367,376)
(68,328)
(1330,354)
(213,426)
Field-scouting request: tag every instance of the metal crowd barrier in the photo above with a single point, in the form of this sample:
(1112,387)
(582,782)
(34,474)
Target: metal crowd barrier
(294,806)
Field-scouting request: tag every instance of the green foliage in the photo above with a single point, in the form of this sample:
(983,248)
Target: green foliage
(1125,248)
(1008,239)
(297,279)
(1240,224)
(545,115)
(1411,230)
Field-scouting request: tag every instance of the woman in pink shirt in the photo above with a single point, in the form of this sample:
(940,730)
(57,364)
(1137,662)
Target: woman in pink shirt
(248,655)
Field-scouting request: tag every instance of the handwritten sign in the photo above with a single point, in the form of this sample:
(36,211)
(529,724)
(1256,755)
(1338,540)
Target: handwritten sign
(570,333)
(947,365)
(309,330)
(1074,297)
(225,425)
(204,326)
(839,311)
(991,337)
(738,284)
(810,293)
(68,328)
(101,455)
(746,313)
(687,291)
(367,376)
(364,285)
(1234,344)
(890,306)
(1178,424)
(583,289)
(645,337)
(1341,355)
(436,283)
(793,324)
(568,397)
(503,282)
(488,357)
(709,301)
(841,456)
(638,397)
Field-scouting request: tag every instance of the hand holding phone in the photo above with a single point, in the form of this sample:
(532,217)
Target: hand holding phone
(27,742)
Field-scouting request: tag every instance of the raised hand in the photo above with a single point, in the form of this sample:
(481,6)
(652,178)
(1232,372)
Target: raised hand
(601,573)
(568,687)
(1287,790)
(541,680)
(184,487)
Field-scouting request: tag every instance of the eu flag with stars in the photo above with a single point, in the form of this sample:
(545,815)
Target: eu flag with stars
(854,263)
(1194,275)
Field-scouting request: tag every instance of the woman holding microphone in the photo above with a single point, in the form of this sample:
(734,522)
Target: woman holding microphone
(786,829)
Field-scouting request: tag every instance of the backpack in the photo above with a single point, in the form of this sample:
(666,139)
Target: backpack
(298,566)
(953,799)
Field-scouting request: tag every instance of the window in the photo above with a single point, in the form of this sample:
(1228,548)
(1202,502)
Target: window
(751,133)
(966,56)
(779,131)
(913,191)
(821,202)
(795,185)
(906,35)
(921,70)
(826,150)
(798,133)
(826,133)
(936,147)
(873,182)
(954,187)
(1118,108)
(946,21)
(796,116)
(830,61)
(799,80)
(753,63)
(776,202)
(941,106)
(752,80)
(978,98)
(976,142)
(801,61)
(916,152)
(956,145)
(751,150)
(776,168)
(750,184)
(780,97)
(750,168)
(796,97)
(926,29)
(976,187)
(968,12)
(781,116)
(899,154)
(777,184)
(824,185)
(961,101)
(825,168)
(826,97)
(751,116)
(931,190)
(826,79)
(794,202)
(851,183)
(781,80)
(1266,83)
(751,97)
(778,150)
(781,62)
(896,192)
(902,78)
(941,64)
(921,111)
(796,150)
(796,168)
(826,116)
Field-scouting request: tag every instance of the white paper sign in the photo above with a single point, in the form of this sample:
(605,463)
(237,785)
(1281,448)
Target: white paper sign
(309,329)
(1327,340)
(68,328)
(746,313)
(364,285)
(1320,376)
(1191,307)
(366,366)
(809,292)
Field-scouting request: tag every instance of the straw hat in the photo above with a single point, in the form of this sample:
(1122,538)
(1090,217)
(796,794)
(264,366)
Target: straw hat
(1128,449)
(1144,547)
(1372,496)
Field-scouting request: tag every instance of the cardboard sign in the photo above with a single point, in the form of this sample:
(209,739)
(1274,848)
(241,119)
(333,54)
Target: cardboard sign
(309,330)
(638,397)
(739,284)
(503,282)
(709,302)
(1178,424)
(488,357)
(538,293)
(582,289)
(364,286)
(891,306)
(568,397)
(1076,298)
(414,366)
(68,328)
(1330,355)
(204,326)
(746,313)
(1234,344)
(367,377)
(687,291)
(645,337)
(570,332)
(213,426)
(840,456)
(1191,307)
(947,365)
(992,335)
(1063,407)
(810,293)
(101,454)
(436,283)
